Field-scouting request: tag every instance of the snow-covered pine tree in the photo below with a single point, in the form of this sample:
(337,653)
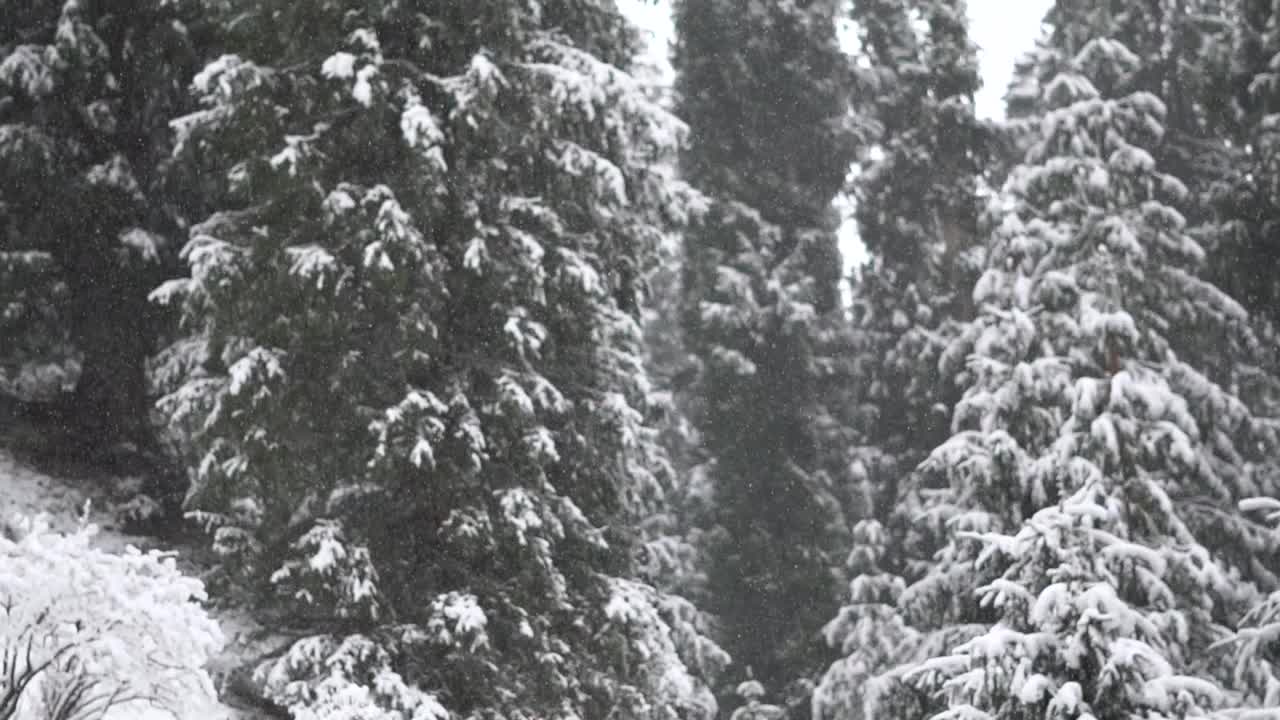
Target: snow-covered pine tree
(1242,264)
(1251,651)
(1184,55)
(765,89)
(87,211)
(1088,552)
(1184,51)
(411,385)
(918,208)
(1181,48)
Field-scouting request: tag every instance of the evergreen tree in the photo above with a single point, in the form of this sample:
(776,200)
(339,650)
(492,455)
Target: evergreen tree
(1083,552)
(1242,259)
(1184,54)
(1251,655)
(764,87)
(1182,49)
(917,210)
(411,386)
(88,211)
(675,539)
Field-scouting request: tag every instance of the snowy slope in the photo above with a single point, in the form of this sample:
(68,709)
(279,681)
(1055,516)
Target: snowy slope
(27,491)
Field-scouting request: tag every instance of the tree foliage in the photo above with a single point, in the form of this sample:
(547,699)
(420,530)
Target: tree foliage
(1076,542)
(88,211)
(1208,60)
(918,207)
(411,383)
(492,376)
(765,89)
(918,212)
(1245,194)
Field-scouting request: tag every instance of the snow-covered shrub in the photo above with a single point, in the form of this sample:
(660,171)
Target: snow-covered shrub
(83,630)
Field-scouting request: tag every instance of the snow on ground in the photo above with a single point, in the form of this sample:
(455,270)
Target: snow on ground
(26,490)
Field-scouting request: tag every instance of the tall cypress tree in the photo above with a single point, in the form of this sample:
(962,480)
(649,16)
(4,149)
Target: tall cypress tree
(411,388)
(764,88)
(918,209)
(89,214)
(918,206)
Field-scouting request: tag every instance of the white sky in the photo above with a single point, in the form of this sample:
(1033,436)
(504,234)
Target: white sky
(1002,29)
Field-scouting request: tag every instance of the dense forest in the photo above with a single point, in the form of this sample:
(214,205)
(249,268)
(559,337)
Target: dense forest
(514,381)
